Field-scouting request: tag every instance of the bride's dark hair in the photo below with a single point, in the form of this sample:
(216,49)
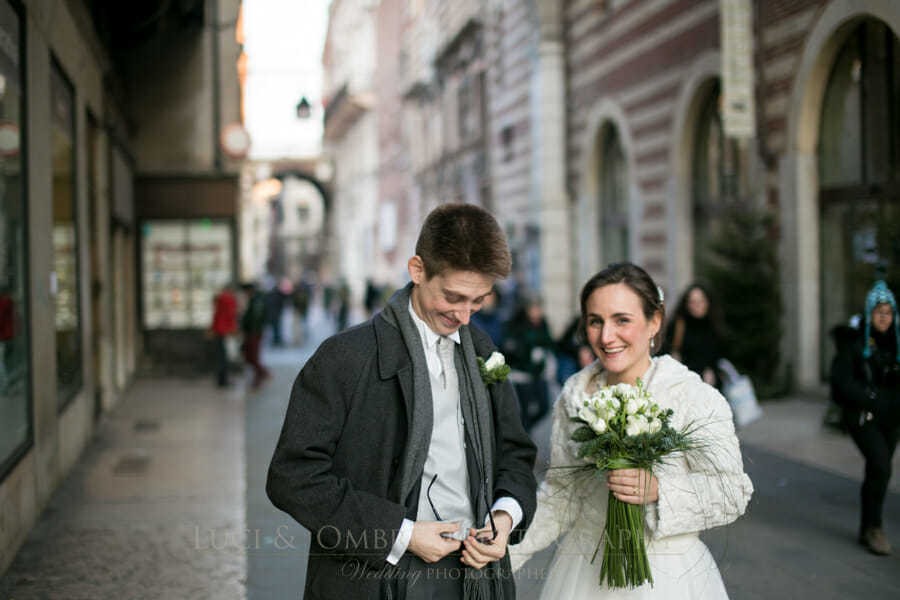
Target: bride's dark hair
(635,278)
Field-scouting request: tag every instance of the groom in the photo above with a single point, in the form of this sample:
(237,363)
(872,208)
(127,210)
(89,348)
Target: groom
(411,474)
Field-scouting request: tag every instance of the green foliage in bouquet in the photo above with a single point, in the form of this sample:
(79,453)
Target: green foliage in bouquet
(622,428)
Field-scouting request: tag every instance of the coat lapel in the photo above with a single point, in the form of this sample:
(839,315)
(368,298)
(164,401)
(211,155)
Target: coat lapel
(394,361)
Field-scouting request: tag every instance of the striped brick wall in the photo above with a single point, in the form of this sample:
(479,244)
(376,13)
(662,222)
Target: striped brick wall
(637,57)
(782,29)
(452,16)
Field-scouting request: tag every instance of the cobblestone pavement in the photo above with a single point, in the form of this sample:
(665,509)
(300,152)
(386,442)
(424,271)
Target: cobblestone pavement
(153,508)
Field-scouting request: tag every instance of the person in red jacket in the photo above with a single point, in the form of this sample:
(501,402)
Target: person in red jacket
(224,324)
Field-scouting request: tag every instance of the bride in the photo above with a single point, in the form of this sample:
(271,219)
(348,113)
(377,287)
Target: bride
(621,314)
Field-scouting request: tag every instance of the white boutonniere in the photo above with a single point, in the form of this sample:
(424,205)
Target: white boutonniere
(494,369)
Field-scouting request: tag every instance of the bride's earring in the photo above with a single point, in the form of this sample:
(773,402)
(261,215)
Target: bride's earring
(652,343)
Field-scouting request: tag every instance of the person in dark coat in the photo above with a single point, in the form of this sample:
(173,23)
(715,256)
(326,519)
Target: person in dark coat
(343,310)
(411,474)
(488,318)
(572,352)
(527,344)
(694,335)
(865,382)
(276,298)
(253,322)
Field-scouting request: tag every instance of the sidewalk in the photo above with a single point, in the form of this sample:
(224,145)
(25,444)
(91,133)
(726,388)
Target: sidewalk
(791,427)
(154,507)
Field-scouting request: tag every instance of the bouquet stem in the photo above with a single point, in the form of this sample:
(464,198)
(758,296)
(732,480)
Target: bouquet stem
(625,561)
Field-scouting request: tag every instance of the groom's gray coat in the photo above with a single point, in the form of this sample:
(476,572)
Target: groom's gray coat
(336,468)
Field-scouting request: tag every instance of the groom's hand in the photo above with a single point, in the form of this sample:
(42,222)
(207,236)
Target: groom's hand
(428,543)
(477,553)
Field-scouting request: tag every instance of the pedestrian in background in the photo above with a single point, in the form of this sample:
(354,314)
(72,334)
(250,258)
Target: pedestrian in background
(372,300)
(301,299)
(253,323)
(527,344)
(488,318)
(224,326)
(572,353)
(275,301)
(865,382)
(694,335)
(343,309)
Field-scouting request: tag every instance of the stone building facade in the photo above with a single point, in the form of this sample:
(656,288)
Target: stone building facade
(620,129)
(351,142)
(644,93)
(394,225)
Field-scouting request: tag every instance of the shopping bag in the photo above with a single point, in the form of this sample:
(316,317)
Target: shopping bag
(738,390)
(232,348)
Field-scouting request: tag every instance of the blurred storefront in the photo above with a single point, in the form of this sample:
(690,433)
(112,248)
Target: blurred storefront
(67,339)
(110,127)
(187,253)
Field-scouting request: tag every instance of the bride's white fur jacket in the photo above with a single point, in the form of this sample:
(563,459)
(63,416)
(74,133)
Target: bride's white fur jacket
(698,490)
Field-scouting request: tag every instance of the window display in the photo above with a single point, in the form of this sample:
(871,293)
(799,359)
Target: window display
(64,277)
(15,425)
(185,264)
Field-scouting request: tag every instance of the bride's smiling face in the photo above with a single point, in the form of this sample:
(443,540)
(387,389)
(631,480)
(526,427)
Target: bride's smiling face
(619,331)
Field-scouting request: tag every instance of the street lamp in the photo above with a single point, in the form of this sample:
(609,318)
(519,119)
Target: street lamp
(304,109)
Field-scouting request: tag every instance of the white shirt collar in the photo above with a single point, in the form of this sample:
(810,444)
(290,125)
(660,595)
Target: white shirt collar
(429,337)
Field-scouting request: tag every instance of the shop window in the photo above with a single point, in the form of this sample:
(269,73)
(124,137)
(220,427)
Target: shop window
(64,277)
(613,197)
(185,264)
(15,423)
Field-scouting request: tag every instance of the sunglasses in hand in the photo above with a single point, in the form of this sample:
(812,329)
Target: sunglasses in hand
(482,539)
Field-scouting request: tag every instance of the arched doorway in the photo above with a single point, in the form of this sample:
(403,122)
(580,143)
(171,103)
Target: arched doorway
(613,192)
(606,216)
(858,155)
(716,174)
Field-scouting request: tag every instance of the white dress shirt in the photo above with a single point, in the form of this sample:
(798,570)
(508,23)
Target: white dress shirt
(435,368)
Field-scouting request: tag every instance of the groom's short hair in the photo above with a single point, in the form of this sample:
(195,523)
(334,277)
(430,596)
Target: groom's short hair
(463,237)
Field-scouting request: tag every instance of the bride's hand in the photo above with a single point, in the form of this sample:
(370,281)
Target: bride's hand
(634,486)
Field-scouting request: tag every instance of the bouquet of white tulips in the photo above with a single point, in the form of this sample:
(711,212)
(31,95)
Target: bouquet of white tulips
(622,428)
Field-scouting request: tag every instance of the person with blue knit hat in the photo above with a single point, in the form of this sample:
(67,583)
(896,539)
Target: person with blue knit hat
(865,381)
(880,295)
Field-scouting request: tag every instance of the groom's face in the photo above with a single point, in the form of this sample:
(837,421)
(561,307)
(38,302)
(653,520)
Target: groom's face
(448,300)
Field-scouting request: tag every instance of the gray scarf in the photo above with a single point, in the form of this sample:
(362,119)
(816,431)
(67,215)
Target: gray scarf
(475,403)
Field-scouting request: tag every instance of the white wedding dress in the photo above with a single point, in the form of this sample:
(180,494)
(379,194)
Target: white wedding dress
(699,490)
